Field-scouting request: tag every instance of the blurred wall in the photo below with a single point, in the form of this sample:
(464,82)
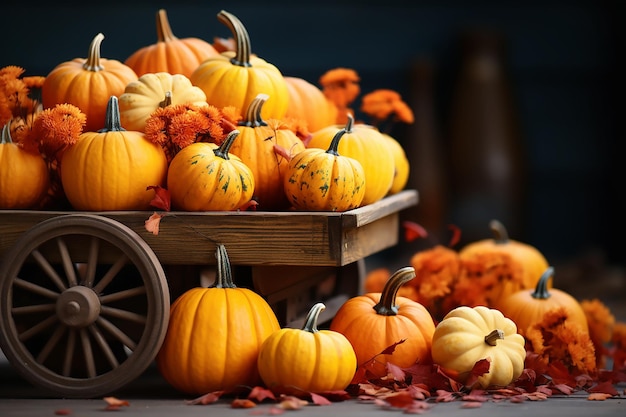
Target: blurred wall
(564,62)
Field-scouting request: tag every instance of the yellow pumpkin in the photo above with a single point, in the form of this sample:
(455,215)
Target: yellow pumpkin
(321,180)
(87,83)
(300,361)
(205,177)
(309,104)
(401,165)
(110,169)
(153,90)
(24,176)
(467,335)
(170,54)
(367,145)
(214,336)
(236,78)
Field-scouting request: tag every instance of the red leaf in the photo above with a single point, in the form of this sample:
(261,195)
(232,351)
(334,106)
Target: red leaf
(444,396)
(153,223)
(161,198)
(480,368)
(335,396)
(259,394)
(563,389)
(242,403)
(413,231)
(63,412)
(205,399)
(402,399)
(250,205)
(279,150)
(390,349)
(605,388)
(319,399)
(456,235)
(397,373)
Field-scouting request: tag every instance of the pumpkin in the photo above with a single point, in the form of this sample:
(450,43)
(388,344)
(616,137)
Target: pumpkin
(257,147)
(528,307)
(170,54)
(467,335)
(366,145)
(321,180)
(112,168)
(214,336)
(401,165)
(205,177)
(235,78)
(153,90)
(301,361)
(24,176)
(309,104)
(87,83)
(512,265)
(375,321)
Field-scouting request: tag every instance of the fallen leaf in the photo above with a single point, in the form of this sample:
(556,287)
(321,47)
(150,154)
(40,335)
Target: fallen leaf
(402,399)
(114,403)
(396,372)
(598,396)
(289,402)
(162,199)
(604,388)
(319,399)
(472,404)
(242,403)
(413,231)
(417,407)
(153,222)
(480,368)
(259,394)
(205,399)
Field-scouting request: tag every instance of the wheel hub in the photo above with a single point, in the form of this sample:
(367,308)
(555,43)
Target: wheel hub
(78,306)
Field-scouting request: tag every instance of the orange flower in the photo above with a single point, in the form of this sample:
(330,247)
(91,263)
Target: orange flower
(57,128)
(383,104)
(618,340)
(601,322)
(341,86)
(34,81)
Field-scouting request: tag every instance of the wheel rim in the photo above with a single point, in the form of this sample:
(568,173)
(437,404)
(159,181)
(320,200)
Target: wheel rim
(85,305)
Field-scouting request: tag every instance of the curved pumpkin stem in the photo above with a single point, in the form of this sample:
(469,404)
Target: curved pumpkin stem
(500,235)
(387,304)
(224,277)
(5,135)
(92,63)
(349,123)
(253,112)
(242,39)
(163,28)
(310,323)
(167,100)
(222,151)
(112,121)
(494,336)
(334,144)
(541,291)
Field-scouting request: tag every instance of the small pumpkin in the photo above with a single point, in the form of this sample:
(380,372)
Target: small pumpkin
(528,307)
(366,145)
(257,147)
(512,265)
(205,177)
(401,165)
(321,180)
(153,90)
(467,335)
(170,54)
(24,176)
(300,361)
(309,104)
(214,336)
(87,83)
(111,169)
(235,78)
(375,321)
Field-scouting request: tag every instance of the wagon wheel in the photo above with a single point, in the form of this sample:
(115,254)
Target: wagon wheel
(85,305)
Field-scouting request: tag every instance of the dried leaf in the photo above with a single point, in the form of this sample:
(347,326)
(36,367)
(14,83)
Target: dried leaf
(335,396)
(289,402)
(444,396)
(114,403)
(472,404)
(242,403)
(598,396)
(162,199)
(605,388)
(396,372)
(402,399)
(480,368)
(153,223)
(279,150)
(259,394)
(205,399)
(319,399)
(417,407)
(413,231)
(392,348)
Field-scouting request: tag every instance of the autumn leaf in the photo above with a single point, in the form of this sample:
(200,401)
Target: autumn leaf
(472,404)
(413,231)
(279,150)
(598,396)
(63,412)
(259,394)
(205,399)
(480,368)
(114,403)
(242,403)
(395,371)
(153,223)
(162,199)
(402,399)
(604,388)
(290,402)
(319,399)
(335,396)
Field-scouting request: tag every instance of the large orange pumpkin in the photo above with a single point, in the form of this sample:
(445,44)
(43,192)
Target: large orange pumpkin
(309,104)
(374,322)
(215,335)
(236,78)
(87,83)
(170,54)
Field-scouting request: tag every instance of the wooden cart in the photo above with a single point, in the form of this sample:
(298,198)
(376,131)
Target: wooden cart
(85,297)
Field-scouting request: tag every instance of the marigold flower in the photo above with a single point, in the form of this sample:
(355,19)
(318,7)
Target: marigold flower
(341,86)
(383,104)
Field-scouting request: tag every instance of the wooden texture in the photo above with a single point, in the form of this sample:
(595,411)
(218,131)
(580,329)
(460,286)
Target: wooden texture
(251,238)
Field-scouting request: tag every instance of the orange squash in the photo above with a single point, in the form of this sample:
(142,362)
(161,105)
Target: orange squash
(309,104)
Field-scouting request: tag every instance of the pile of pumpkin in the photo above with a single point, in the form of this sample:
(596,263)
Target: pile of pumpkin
(259,137)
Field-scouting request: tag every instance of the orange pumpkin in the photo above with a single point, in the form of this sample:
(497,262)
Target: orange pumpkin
(375,321)
(87,83)
(236,78)
(309,104)
(170,54)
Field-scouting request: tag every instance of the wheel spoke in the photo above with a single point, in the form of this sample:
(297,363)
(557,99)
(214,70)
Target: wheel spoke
(111,273)
(92,262)
(69,352)
(120,295)
(70,272)
(37,289)
(106,349)
(39,308)
(43,325)
(87,353)
(52,342)
(48,269)
(117,333)
(123,314)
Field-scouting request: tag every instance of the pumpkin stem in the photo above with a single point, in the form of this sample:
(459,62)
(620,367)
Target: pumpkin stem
(5,135)
(112,122)
(163,28)
(310,323)
(167,100)
(334,144)
(500,234)
(349,123)
(222,151)
(493,337)
(224,277)
(242,39)
(541,291)
(387,304)
(253,113)
(92,63)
